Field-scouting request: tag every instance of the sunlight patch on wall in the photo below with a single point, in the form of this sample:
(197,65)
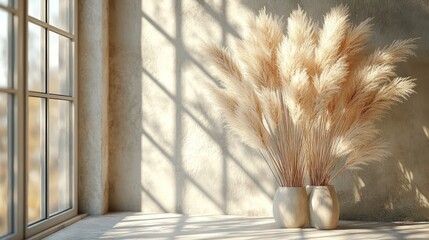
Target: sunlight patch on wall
(423,200)
(359,184)
(426,131)
(408,175)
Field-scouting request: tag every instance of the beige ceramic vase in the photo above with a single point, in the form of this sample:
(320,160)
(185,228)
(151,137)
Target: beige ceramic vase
(290,207)
(324,207)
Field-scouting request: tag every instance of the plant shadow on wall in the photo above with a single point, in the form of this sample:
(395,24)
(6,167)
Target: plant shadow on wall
(173,165)
(395,189)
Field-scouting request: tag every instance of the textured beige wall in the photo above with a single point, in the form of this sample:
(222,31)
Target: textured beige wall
(93,106)
(170,153)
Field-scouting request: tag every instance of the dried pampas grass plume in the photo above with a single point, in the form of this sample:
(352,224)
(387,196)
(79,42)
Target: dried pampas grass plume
(309,99)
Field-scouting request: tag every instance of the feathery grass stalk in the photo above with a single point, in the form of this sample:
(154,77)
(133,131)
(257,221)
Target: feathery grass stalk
(309,99)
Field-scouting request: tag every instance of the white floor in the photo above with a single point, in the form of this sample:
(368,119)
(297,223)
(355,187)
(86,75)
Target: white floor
(175,226)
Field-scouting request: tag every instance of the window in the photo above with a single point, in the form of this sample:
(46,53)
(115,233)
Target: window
(8,96)
(37,115)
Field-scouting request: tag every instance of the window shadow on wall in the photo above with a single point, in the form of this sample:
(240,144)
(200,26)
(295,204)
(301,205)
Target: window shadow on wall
(182,110)
(136,134)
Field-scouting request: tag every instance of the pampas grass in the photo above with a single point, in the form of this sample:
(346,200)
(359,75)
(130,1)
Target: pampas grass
(309,100)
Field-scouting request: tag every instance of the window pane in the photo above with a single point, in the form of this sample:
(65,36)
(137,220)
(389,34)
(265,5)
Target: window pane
(6,47)
(36,159)
(10,3)
(36,58)
(59,156)
(61,14)
(36,9)
(59,64)
(5,164)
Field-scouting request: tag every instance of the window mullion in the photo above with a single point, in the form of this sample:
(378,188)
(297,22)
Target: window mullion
(10,106)
(9,9)
(8,90)
(20,221)
(51,96)
(45,195)
(11,157)
(50,27)
(46,167)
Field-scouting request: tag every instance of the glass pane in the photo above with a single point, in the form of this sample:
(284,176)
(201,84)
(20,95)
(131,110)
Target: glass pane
(59,156)
(36,158)
(36,58)
(5,165)
(6,49)
(59,64)
(15,49)
(36,9)
(10,3)
(61,14)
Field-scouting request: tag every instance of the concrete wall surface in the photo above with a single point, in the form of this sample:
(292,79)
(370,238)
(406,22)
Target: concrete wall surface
(93,107)
(168,150)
